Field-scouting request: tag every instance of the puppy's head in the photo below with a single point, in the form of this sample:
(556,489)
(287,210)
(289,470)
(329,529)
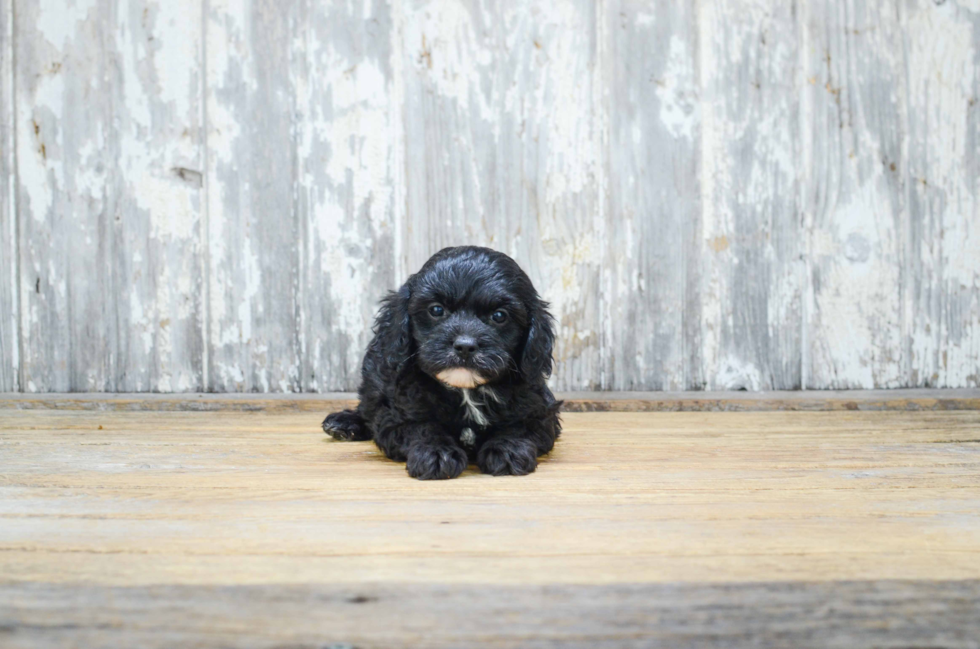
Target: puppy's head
(475,318)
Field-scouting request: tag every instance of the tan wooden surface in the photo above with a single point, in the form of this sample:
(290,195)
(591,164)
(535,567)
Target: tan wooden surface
(156,502)
(248,498)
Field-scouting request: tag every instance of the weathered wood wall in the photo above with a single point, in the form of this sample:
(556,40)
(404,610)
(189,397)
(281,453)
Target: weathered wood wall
(213,194)
(9,353)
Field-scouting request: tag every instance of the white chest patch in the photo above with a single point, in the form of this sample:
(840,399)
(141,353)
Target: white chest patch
(467,437)
(473,408)
(474,403)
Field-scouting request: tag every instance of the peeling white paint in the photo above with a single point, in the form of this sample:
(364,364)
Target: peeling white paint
(678,109)
(722,195)
(736,374)
(10,335)
(57,22)
(856,310)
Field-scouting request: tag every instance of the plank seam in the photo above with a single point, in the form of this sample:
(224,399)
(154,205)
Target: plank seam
(205,209)
(16,310)
(300,216)
(906,295)
(805,109)
(602,142)
(400,160)
(706,178)
(693,374)
(113,370)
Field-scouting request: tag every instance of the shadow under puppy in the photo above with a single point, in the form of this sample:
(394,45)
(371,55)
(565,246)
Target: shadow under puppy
(456,370)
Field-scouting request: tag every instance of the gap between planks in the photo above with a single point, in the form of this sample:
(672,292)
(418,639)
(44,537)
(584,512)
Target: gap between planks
(809,401)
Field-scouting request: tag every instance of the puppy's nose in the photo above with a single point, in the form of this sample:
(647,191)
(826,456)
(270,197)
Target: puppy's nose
(464,345)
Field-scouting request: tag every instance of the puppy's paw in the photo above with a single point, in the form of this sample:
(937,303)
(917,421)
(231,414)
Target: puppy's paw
(346,426)
(507,456)
(435,461)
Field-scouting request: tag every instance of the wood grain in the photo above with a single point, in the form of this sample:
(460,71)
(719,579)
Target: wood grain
(158,260)
(748,193)
(237,498)
(856,202)
(301,145)
(66,213)
(752,279)
(109,155)
(653,264)
(943,177)
(253,221)
(346,140)
(9,307)
(253,529)
(839,615)
(502,148)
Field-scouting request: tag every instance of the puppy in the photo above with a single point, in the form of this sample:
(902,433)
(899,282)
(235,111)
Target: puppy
(456,371)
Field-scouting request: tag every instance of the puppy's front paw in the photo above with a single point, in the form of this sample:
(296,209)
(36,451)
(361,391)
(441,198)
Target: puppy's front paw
(346,426)
(507,456)
(436,461)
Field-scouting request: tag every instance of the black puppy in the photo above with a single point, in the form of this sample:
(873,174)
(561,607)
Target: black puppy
(456,370)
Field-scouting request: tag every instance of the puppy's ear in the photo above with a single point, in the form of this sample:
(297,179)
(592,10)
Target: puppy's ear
(393,328)
(536,360)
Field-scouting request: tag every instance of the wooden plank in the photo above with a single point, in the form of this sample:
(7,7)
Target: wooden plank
(242,402)
(347,137)
(347,143)
(795,614)
(302,142)
(752,279)
(64,160)
(503,148)
(674,529)
(158,124)
(254,232)
(943,181)
(866,400)
(252,498)
(108,153)
(817,401)
(856,205)
(652,295)
(9,306)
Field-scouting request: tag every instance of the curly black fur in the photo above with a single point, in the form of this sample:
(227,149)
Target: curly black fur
(447,316)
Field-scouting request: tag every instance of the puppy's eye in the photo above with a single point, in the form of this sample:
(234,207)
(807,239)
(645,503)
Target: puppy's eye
(499,316)
(436,311)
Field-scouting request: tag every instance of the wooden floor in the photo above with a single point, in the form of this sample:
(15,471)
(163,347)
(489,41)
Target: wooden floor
(653,529)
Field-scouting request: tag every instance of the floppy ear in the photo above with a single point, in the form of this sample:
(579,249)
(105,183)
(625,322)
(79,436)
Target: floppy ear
(393,328)
(536,360)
